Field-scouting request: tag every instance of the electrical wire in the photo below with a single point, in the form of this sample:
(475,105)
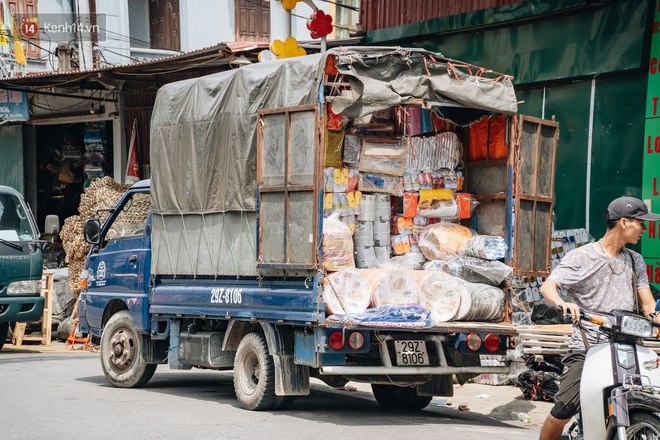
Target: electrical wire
(340,5)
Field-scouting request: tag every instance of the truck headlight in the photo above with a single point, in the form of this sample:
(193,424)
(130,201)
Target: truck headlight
(634,326)
(24,287)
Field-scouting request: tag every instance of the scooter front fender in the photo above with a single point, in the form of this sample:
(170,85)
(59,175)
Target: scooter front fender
(597,375)
(643,401)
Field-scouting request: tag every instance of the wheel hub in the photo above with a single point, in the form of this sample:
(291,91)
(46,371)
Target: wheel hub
(122,352)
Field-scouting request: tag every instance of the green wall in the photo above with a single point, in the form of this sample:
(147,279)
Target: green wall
(11,156)
(558,55)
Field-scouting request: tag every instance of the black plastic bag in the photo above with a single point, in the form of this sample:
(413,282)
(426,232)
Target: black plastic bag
(538,385)
(547,362)
(547,314)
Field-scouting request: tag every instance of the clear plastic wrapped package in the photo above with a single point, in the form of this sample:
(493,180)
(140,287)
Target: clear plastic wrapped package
(392,287)
(441,293)
(474,270)
(346,292)
(400,316)
(337,245)
(442,240)
(487,247)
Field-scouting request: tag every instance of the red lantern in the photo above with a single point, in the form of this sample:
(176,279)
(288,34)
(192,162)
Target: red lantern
(319,24)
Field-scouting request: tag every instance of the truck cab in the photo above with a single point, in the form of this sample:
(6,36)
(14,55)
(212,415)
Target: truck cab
(20,262)
(117,269)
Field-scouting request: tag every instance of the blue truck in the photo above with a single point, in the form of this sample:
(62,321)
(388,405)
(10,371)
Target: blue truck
(217,262)
(20,263)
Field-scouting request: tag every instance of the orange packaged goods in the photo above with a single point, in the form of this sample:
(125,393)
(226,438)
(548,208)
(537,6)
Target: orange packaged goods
(487,139)
(410,204)
(334,120)
(464,205)
(402,225)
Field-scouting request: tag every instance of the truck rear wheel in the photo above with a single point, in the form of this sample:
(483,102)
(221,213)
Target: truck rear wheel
(254,375)
(122,353)
(4,330)
(393,396)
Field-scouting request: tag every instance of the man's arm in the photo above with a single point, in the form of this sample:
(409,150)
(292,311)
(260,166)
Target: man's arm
(648,303)
(551,294)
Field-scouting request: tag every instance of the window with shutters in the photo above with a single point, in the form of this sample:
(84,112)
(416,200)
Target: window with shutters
(19,9)
(164,29)
(252,20)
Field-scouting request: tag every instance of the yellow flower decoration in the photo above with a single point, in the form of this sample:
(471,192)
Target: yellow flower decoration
(287,49)
(289,4)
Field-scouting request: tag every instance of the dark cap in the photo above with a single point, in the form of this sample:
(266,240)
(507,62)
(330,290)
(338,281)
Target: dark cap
(629,207)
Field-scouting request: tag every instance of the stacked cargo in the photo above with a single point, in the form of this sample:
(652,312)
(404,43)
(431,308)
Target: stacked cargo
(395,179)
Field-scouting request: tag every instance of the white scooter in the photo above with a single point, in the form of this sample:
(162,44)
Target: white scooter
(620,384)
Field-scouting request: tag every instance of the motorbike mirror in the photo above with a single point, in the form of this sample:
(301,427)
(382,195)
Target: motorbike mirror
(92,231)
(52,225)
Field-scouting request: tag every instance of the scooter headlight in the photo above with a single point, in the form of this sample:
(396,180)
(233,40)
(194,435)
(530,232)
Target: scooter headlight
(635,326)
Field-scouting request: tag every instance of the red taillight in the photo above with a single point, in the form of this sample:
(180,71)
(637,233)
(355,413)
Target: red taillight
(336,340)
(356,340)
(492,342)
(473,342)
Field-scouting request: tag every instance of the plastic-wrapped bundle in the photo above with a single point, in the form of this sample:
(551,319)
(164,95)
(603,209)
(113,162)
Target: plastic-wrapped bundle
(481,302)
(487,247)
(441,294)
(337,245)
(364,233)
(434,152)
(368,212)
(474,270)
(346,292)
(442,240)
(383,207)
(381,232)
(399,316)
(392,287)
(383,253)
(365,257)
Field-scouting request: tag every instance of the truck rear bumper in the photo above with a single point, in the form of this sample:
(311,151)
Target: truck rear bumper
(409,371)
(21,308)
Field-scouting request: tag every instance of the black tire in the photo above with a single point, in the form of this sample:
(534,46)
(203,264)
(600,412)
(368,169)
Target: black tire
(4,333)
(254,375)
(643,426)
(122,353)
(392,396)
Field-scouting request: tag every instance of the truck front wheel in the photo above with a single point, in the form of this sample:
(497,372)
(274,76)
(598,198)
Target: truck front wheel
(392,396)
(4,330)
(254,374)
(122,353)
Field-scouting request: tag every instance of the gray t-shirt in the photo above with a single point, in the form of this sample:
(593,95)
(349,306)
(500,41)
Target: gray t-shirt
(598,283)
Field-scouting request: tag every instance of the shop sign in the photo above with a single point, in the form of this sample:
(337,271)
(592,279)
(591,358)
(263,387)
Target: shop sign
(653,273)
(651,167)
(13,106)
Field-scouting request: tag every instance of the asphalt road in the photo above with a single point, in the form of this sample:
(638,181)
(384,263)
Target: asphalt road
(60,394)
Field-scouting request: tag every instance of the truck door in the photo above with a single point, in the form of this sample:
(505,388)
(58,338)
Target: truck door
(288,171)
(119,267)
(535,146)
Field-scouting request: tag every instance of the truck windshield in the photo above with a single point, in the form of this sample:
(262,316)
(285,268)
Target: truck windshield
(14,220)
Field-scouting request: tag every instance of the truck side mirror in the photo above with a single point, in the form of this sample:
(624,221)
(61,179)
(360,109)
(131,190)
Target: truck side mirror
(52,225)
(92,231)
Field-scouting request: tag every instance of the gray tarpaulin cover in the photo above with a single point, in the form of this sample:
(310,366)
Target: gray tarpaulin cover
(203,141)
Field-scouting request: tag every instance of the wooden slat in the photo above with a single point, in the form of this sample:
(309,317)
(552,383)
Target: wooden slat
(46,318)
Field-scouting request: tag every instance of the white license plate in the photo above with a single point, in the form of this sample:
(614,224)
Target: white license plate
(411,353)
